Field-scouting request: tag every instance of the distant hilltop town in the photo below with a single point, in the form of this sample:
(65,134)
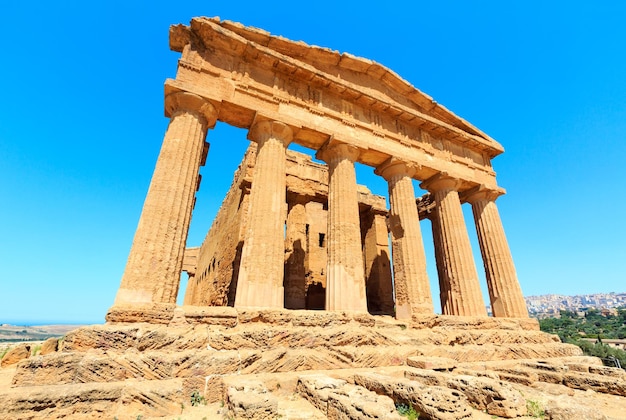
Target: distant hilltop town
(544,306)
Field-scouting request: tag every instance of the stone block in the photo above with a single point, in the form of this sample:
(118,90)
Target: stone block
(355,402)
(433,363)
(434,402)
(154,313)
(317,388)
(558,410)
(212,315)
(250,400)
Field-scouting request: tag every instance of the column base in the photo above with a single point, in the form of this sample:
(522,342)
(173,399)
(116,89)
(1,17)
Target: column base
(152,313)
(260,296)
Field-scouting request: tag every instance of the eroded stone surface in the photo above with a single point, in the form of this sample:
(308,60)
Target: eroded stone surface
(49,346)
(435,402)
(340,400)
(250,400)
(16,354)
(272,347)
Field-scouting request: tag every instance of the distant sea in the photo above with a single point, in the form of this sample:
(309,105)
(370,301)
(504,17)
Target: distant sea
(37,322)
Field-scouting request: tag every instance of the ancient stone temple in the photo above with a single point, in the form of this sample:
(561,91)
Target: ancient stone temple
(215,267)
(309,297)
(345,110)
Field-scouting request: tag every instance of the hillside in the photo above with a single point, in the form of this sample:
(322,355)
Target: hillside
(16,333)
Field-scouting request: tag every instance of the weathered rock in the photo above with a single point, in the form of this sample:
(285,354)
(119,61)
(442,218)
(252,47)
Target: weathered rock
(157,354)
(496,397)
(340,400)
(487,352)
(154,313)
(212,315)
(16,354)
(56,368)
(597,383)
(434,363)
(355,403)
(484,393)
(251,400)
(434,402)
(608,371)
(559,410)
(316,389)
(51,345)
(475,323)
(93,400)
(553,389)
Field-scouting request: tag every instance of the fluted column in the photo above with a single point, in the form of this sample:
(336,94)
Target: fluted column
(155,261)
(505,292)
(444,284)
(462,292)
(295,247)
(261,271)
(345,277)
(378,280)
(409,259)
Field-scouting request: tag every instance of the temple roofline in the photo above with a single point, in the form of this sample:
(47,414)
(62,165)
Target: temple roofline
(316,61)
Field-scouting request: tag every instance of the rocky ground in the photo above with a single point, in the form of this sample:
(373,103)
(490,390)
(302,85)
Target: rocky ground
(303,365)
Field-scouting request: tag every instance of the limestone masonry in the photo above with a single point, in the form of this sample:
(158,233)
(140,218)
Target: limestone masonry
(291,309)
(345,109)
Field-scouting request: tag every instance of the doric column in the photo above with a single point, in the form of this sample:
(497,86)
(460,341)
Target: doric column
(504,288)
(295,247)
(155,261)
(345,279)
(261,271)
(462,295)
(409,259)
(378,281)
(444,284)
(190,266)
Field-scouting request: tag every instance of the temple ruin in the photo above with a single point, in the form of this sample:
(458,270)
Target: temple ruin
(344,109)
(213,278)
(309,297)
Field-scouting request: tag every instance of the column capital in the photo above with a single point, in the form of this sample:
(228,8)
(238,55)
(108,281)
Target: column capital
(393,167)
(334,149)
(185,101)
(262,130)
(481,193)
(441,181)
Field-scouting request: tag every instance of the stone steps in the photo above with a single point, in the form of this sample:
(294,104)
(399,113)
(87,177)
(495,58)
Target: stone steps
(103,366)
(340,393)
(146,337)
(127,399)
(128,366)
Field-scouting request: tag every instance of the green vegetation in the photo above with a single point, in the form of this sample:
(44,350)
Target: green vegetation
(535,409)
(4,351)
(592,325)
(572,328)
(35,350)
(197,399)
(407,410)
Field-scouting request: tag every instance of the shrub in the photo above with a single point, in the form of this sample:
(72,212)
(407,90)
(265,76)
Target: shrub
(535,409)
(197,399)
(407,410)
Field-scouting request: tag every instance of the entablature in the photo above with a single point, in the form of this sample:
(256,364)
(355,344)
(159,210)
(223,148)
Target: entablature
(245,80)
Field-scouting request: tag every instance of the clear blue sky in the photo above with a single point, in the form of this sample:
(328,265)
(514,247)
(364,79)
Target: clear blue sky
(81,124)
